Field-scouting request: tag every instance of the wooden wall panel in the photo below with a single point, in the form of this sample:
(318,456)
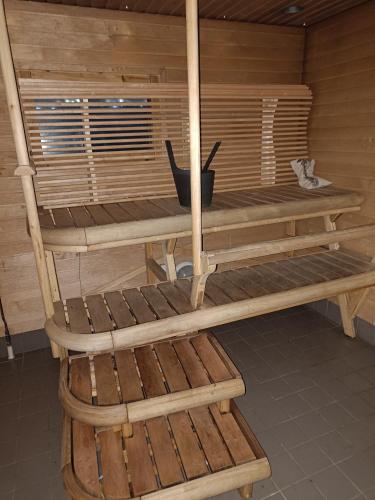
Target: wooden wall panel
(340,69)
(73,42)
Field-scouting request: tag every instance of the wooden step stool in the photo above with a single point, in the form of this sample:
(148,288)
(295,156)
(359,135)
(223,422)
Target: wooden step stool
(157,422)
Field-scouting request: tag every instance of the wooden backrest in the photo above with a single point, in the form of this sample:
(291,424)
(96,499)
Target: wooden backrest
(97,142)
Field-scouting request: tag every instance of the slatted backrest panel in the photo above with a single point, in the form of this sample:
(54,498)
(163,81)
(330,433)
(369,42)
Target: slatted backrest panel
(104,142)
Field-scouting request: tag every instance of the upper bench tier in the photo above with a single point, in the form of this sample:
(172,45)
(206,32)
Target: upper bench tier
(92,227)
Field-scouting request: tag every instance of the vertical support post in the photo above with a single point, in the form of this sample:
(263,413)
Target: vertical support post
(168,253)
(330,225)
(23,169)
(192,38)
(53,281)
(149,254)
(346,316)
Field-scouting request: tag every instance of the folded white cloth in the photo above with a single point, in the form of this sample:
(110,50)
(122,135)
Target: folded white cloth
(304,170)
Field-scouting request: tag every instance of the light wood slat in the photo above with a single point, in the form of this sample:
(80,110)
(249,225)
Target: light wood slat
(213,446)
(78,320)
(150,374)
(106,385)
(138,306)
(193,366)
(120,154)
(158,302)
(140,465)
(119,309)
(238,447)
(191,454)
(171,366)
(98,313)
(211,359)
(169,470)
(115,481)
(130,384)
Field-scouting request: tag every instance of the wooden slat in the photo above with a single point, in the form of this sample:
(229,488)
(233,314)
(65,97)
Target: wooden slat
(106,385)
(190,452)
(175,297)
(98,313)
(140,465)
(238,447)
(150,374)
(193,366)
(119,309)
(169,470)
(115,480)
(130,384)
(211,359)
(213,446)
(171,366)
(78,320)
(138,306)
(158,302)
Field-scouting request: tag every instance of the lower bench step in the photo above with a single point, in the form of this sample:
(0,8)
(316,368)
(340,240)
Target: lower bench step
(190,455)
(129,385)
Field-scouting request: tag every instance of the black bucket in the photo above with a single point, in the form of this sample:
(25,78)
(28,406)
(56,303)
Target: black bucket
(182,178)
(182,182)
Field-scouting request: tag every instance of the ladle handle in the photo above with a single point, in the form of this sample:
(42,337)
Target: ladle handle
(211,156)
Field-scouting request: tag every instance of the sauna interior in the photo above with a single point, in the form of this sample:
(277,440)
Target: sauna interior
(187,249)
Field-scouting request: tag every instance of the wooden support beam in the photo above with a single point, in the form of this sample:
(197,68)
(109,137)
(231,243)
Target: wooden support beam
(149,255)
(168,252)
(274,247)
(156,269)
(192,38)
(347,318)
(24,169)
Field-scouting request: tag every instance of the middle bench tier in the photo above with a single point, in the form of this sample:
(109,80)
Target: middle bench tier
(130,385)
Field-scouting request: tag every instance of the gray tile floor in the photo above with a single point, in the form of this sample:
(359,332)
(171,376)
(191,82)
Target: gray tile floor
(310,399)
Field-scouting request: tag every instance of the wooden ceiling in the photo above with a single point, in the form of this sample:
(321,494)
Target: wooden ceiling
(255,11)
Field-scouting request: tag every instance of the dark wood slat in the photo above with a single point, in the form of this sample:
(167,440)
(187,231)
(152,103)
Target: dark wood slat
(171,366)
(140,464)
(62,217)
(150,374)
(175,297)
(119,309)
(117,213)
(98,313)
(158,302)
(193,366)
(188,446)
(213,446)
(106,385)
(169,470)
(115,479)
(130,384)
(211,359)
(80,379)
(237,445)
(215,293)
(138,305)
(81,217)
(99,215)
(77,314)
(234,292)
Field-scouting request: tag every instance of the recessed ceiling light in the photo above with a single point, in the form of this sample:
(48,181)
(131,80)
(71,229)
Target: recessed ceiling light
(293,9)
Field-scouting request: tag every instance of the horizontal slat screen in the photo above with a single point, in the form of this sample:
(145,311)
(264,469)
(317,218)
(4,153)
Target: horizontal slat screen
(104,142)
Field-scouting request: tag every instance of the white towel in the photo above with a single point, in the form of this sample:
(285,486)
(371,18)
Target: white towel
(304,170)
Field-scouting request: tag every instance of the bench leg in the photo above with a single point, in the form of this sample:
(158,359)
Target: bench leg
(246,491)
(224,406)
(148,256)
(346,315)
(168,253)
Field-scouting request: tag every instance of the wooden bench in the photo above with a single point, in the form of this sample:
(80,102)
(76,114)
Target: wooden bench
(135,317)
(102,171)
(188,455)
